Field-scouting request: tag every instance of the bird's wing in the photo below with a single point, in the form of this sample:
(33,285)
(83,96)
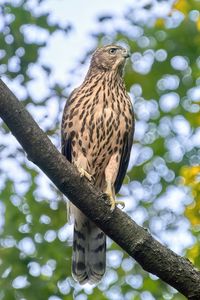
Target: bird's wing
(128,141)
(66,138)
(67,148)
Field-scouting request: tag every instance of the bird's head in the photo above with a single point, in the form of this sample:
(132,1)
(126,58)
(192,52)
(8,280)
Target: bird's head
(109,58)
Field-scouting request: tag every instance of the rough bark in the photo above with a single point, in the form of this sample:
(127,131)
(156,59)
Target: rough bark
(135,240)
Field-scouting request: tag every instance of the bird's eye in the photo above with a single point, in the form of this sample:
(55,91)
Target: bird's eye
(112,50)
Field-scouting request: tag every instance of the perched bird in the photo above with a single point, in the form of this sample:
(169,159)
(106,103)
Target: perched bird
(97,135)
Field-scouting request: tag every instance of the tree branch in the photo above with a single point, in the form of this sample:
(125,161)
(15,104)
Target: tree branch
(135,240)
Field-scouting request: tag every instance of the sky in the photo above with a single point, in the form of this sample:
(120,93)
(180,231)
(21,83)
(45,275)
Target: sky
(82,15)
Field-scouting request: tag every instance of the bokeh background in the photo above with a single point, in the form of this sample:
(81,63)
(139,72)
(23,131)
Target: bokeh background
(45,47)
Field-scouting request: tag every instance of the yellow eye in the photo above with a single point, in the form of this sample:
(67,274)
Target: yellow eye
(112,50)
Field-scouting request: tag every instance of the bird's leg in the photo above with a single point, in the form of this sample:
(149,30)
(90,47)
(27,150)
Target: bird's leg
(111,196)
(111,171)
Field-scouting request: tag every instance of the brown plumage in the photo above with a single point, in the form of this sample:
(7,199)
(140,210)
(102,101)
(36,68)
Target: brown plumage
(97,135)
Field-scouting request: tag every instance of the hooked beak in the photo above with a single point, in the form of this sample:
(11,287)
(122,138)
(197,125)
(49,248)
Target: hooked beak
(125,53)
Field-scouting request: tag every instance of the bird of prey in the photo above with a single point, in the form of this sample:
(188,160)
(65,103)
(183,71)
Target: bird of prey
(97,135)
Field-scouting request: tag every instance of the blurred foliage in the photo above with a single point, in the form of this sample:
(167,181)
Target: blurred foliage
(191,176)
(163,77)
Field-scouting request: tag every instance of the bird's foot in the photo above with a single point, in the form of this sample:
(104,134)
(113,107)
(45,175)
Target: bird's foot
(84,173)
(113,202)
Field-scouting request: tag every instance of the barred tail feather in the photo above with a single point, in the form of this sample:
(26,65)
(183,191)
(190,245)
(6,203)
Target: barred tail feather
(89,250)
(96,255)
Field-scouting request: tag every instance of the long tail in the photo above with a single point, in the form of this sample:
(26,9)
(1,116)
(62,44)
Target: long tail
(89,250)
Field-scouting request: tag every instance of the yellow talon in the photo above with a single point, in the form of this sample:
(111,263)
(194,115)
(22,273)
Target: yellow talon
(84,173)
(111,196)
(114,202)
